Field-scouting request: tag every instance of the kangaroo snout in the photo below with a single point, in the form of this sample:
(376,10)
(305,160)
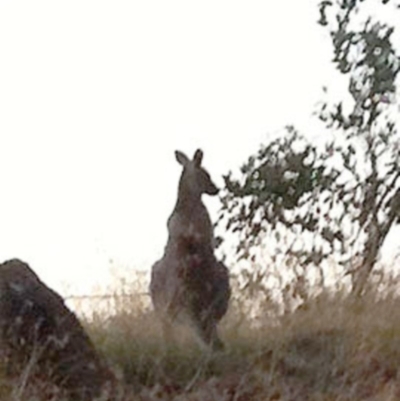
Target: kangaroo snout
(213,190)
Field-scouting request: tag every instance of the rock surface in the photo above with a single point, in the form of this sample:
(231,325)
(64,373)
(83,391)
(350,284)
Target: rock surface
(40,336)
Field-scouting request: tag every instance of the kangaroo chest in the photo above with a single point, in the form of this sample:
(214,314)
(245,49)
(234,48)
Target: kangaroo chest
(191,221)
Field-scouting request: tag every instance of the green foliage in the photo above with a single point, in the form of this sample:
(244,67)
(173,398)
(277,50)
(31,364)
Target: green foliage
(284,176)
(342,197)
(367,56)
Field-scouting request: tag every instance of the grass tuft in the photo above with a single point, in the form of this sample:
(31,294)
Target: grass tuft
(332,348)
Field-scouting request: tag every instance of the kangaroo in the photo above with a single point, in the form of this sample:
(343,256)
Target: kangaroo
(188,282)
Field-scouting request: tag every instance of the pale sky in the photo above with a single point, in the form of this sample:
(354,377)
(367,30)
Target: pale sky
(95,96)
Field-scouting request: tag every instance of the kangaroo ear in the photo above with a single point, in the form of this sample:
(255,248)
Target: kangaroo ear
(181,158)
(198,157)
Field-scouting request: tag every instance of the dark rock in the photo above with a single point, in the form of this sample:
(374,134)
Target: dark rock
(38,332)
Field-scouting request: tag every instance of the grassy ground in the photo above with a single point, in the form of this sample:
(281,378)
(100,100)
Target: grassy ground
(333,349)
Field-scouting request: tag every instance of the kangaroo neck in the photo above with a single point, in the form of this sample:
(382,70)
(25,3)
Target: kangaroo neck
(187,199)
(189,217)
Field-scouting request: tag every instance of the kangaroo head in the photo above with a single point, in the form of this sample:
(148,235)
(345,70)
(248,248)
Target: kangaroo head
(195,180)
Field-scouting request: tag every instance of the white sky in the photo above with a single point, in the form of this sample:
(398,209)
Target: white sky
(95,96)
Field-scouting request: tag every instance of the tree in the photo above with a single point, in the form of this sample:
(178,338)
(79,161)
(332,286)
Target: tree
(345,194)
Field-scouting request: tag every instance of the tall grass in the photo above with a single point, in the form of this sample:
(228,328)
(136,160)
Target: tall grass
(333,347)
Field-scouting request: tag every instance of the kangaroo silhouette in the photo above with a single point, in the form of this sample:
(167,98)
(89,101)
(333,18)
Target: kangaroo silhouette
(189,283)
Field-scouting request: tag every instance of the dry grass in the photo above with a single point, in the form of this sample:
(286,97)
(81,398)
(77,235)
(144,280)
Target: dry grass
(332,349)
